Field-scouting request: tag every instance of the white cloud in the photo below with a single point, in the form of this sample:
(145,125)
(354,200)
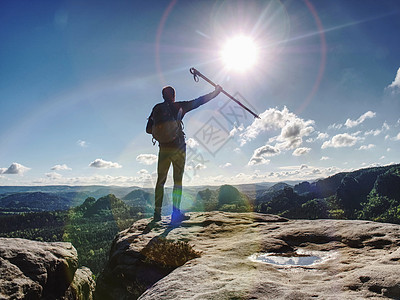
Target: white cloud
(373,132)
(374,165)
(397,137)
(394,87)
(236,129)
(144,176)
(382,157)
(325,158)
(191,142)
(142,180)
(292,133)
(258,161)
(62,167)
(302,167)
(82,144)
(316,171)
(376,132)
(260,154)
(266,150)
(366,147)
(293,128)
(352,123)
(335,126)
(310,140)
(15,168)
(146,159)
(237,150)
(301,151)
(322,136)
(103,164)
(341,140)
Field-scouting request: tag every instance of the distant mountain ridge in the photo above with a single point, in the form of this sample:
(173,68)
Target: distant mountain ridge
(365,193)
(51,198)
(94,190)
(34,201)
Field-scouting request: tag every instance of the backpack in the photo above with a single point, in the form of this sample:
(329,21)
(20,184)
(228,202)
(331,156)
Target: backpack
(165,127)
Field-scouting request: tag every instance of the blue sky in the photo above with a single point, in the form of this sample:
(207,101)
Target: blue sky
(78,80)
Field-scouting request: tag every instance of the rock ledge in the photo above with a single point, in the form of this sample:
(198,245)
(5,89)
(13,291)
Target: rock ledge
(39,270)
(366,261)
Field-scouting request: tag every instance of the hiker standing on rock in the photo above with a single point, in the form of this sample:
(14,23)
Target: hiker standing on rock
(165,124)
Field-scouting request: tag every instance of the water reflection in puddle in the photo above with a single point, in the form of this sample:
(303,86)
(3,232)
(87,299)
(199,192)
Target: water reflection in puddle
(299,258)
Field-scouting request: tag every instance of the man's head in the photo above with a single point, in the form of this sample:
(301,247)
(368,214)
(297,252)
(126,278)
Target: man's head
(168,94)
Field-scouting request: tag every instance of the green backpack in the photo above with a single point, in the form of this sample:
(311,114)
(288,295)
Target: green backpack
(165,127)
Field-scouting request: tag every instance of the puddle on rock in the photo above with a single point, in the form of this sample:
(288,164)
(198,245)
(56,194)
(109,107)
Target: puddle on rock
(299,258)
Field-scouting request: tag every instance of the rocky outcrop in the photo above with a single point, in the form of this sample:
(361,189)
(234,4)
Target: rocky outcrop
(362,259)
(38,270)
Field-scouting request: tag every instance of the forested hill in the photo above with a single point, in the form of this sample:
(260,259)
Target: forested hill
(90,227)
(362,181)
(372,194)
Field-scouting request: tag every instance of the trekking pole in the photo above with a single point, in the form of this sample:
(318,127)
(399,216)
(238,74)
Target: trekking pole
(196,74)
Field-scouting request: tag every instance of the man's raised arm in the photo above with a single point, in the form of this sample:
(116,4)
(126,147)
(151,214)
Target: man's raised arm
(190,105)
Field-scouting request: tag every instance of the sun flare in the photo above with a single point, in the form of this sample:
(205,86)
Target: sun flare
(239,53)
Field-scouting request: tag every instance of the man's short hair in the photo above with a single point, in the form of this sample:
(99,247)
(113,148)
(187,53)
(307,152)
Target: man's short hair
(168,93)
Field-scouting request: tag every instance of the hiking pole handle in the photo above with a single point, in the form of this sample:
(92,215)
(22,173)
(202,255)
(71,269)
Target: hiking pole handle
(196,74)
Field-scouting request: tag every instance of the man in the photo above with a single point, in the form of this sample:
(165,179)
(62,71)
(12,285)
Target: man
(174,151)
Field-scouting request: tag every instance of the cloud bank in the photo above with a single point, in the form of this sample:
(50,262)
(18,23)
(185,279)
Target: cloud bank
(293,128)
(292,131)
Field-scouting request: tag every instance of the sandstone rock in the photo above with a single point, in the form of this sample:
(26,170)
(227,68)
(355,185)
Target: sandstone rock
(364,259)
(38,270)
(83,285)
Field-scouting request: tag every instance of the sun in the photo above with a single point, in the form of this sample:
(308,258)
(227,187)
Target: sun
(239,53)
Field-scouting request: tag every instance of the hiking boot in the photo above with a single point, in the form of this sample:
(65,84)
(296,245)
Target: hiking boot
(177,217)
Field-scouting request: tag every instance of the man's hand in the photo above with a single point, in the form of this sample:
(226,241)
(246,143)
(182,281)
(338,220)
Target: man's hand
(218,89)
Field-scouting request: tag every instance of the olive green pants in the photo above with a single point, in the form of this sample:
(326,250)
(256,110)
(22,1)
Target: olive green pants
(166,156)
